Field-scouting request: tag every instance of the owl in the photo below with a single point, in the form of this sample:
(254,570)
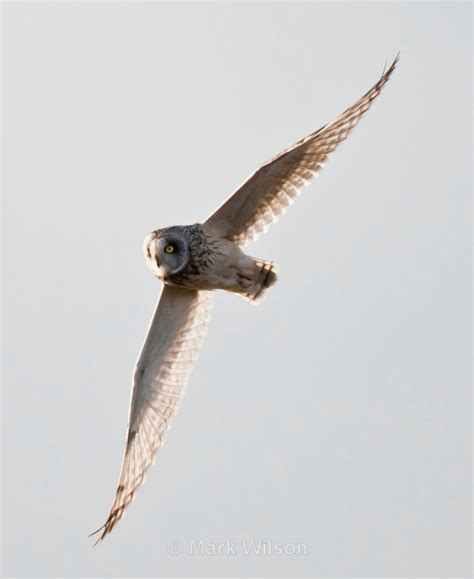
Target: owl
(192,261)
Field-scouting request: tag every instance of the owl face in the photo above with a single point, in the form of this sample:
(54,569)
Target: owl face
(166,252)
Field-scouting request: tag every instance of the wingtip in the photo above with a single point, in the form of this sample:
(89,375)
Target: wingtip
(387,72)
(101,537)
(394,63)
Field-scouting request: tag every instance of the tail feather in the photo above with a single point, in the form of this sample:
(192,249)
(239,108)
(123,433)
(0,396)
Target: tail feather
(265,277)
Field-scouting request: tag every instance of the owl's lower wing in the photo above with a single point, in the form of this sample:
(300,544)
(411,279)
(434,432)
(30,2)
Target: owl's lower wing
(176,333)
(265,195)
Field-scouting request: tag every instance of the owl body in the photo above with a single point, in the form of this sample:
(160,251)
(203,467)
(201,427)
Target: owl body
(187,256)
(190,260)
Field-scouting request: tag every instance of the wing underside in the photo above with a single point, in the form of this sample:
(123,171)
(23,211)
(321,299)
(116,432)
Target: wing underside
(176,333)
(266,194)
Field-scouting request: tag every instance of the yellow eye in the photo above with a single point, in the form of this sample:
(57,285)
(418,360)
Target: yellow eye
(169,249)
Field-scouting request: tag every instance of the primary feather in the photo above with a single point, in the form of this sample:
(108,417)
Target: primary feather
(176,333)
(266,194)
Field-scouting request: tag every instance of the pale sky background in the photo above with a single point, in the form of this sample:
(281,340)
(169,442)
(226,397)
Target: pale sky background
(337,413)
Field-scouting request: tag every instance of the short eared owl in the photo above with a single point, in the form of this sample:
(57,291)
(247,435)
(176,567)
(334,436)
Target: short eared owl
(193,260)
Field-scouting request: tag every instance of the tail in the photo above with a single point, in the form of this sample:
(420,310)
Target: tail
(265,277)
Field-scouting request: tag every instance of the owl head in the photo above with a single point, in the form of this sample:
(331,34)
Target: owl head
(166,251)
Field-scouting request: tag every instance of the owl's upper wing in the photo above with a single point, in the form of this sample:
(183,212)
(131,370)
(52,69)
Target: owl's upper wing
(261,199)
(175,335)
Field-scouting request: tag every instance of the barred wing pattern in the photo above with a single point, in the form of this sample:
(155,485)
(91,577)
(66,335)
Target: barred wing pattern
(267,193)
(176,333)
